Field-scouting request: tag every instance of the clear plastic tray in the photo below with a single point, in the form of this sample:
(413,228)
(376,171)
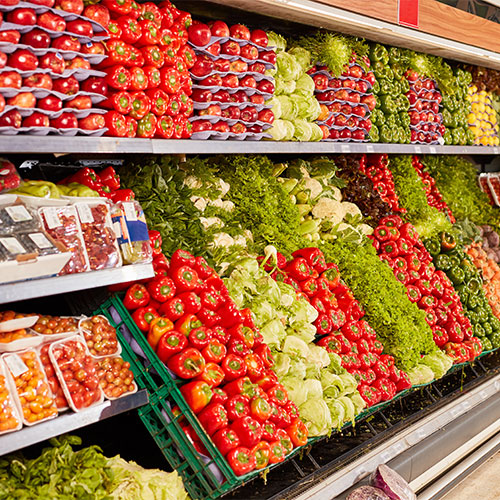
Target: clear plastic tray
(86,332)
(10,417)
(104,366)
(55,387)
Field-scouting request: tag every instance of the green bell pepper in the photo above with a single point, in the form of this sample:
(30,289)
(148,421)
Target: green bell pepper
(378,52)
(442,262)
(456,275)
(433,246)
(487,345)
(374,134)
(387,104)
(385,134)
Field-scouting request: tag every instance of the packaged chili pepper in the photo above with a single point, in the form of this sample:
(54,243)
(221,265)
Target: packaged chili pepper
(98,235)
(32,388)
(131,230)
(63,225)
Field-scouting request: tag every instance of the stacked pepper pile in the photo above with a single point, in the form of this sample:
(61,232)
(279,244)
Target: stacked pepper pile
(450,258)
(348,98)
(390,117)
(376,169)
(106,183)
(340,325)
(197,331)
(147,70)
(434,198)
(230,81)
(400,246)
(425,120)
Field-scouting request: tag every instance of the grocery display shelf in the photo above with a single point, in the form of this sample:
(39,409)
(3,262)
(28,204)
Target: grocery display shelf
(70,421)
(91,145)
(22,290)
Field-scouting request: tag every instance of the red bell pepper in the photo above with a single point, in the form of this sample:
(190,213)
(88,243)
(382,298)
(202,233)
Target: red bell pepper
(241,385)
(160,263)
(136,58)
(173,309)
(135,297)
(185,277)
(118,53)
(241,460)
(181,258)
(382,233)
(210,299)
(159,101)
(143,317)
(157,328)
(298,269)
(156,241)
(269,431)
(237,406)
(199,337)
(161,289)
(230,315)
(213,417)
(298,432)
(285,440)
(219,396)
(153,75)
(187,364)
(152,13)
(153,56)
(248,430)
(191,301)
(254,365)
(164,127)
(146,127)
(131,31)
(278,395)
(226,440)
(214,352)
(131,125)
(173,109)
(219,333)
(265,354)
(370,394)
(116,124)
(234,367)
(314,257)
(212,374)
(386,387)
(110,178)
(113,29)
(138,79)
(268,380)
(197,394)
(403,383)
(140,105)
(208,317)
(170,343)
(277,453)
(323,324)
(237,347)
(280,417)
(120,7)
(242,333)
(187,323)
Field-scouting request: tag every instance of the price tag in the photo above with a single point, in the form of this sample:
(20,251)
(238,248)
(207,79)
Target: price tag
(16,365)
(40,240)
(408,13)
(495,151)
(18,213)
(432,150)
(418,150)
(51,217)
(345,148)
(129,210)
(117,228)
(12,245)
(84,213)
(369,148)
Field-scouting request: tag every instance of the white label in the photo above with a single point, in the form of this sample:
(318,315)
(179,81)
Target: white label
(129,210)
(18,213)
(84,213)
(117,227)
(418,150)
(12,245)
(432,150)
(40,240)
(16,365)
(369,148)
(52,218)
(345,148)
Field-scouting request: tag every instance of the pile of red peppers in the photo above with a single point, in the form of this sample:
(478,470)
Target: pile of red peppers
(400,246)
(106,183)
(340,324)
(147,70)
(193,325)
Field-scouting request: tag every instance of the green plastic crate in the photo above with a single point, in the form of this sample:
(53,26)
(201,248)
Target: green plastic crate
(204,477)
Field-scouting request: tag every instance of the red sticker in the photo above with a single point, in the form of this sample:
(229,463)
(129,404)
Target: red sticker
(408,13)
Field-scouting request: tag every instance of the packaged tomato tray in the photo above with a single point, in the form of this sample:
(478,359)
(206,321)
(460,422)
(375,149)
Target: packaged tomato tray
(10,419)
(32,389)
(62,224)
(115,377)
(131,229)
(98,235)
(99,336)
(55,387)
(77,372)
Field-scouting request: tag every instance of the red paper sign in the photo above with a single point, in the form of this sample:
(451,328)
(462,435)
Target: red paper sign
(408,13)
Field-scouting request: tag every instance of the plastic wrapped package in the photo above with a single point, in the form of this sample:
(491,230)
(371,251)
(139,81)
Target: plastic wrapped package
(9,178)
(98,235)
(33,392)
(38,242)
(62,224)
(130,226)
(100,336)
(17,218)
(11,247)
(57,391)
(115,377)
(9,415)
(56,325)
(76,372)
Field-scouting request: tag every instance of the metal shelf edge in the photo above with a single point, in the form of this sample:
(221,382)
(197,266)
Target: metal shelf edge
(42,287)
(69,422)
(65,145)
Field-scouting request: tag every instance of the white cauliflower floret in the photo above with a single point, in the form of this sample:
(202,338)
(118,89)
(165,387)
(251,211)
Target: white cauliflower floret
(207,222)
(350,208)
(240,240)
(326,208)
(365,229)
(248,234)
(315,188)
(223,240)
(199,203)
(193,182)
(224,205)
(224,187)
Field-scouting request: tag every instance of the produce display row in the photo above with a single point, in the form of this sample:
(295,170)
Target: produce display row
(141,70)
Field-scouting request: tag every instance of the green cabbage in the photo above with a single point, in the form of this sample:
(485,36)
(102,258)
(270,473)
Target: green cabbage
(317,133)
(421,374)
(282,130)
(281,364)
(350,411)
(305,86)
(438,362)
(283,87)
(316,415)
(337,412)
(275,40)
(289,107)
(303,57)
(273,332)
(295,347)
(288,67)
(276,107)
(303,130)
